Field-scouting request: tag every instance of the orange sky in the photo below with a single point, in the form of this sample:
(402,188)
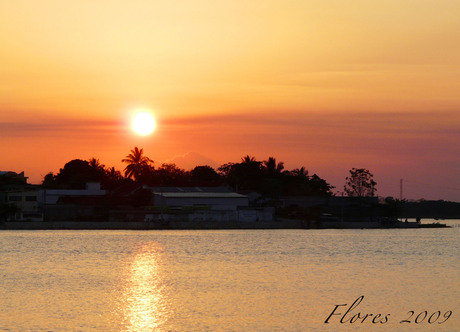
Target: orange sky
(330,85)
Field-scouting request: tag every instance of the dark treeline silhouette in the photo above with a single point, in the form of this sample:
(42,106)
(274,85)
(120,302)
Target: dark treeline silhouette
(271,180)
(431,209)
(76,173)
(268,177)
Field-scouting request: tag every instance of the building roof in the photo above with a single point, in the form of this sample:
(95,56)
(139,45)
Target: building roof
(220,189)
(126,189)
(199,195)
(13,177)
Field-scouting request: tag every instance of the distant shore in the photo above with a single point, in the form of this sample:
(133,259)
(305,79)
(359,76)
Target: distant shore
(144,225)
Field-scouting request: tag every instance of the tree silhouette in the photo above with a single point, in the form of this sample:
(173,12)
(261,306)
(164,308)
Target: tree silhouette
(138,164)
(319,186)
(360,183)
(113,178)
(204,175)
(224,170)
(272,168)
(268,177)
(49,180)
(95,164)
(76,173)
(246,175)
(167,175)
(98,169)
(301,172)
(249,159)
(113,175)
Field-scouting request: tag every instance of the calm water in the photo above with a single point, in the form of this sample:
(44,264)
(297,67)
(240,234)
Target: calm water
(235,280)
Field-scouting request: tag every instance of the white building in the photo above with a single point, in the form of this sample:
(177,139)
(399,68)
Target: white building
(213,200)
(51,196)
(26,202)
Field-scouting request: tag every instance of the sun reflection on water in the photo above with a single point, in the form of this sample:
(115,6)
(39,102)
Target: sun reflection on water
(144,305)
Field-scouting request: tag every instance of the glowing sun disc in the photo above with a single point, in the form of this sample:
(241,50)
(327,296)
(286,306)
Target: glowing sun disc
(143,123)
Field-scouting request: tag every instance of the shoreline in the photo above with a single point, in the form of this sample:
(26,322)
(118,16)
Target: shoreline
(149,225)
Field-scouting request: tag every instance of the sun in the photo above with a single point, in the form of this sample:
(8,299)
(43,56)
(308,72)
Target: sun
(143,123)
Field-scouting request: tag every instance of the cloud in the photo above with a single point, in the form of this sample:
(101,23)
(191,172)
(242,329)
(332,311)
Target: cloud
(384,120)
(53,126)
(350,131)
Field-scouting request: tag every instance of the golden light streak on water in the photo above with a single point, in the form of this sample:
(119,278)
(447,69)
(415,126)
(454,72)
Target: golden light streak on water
(144,304)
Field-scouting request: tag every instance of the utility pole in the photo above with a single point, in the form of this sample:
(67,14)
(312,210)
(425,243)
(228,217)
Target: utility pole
(401,189)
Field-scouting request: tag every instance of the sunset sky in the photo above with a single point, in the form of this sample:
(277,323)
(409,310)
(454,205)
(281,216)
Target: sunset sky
(328,85)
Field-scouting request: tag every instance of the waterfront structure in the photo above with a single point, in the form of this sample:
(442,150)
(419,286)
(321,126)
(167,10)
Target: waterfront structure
(8,177)
(19,200)
(26,202)
(52,196)
(213,198)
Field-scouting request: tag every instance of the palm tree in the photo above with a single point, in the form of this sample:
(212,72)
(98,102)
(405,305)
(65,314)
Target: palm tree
(113,175)
(96,164)
(97,170)
(273,168)
(248,159)
(137,163)
(300,172)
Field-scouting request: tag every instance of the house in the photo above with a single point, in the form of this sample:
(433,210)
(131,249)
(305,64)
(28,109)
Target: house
(27,204)
(52,196)
(19,200)
(73,204)
(9,177)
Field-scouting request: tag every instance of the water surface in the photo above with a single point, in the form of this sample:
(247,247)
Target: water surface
(230,280)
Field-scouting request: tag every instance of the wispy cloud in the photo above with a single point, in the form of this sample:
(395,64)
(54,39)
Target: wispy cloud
(53,126)
(442,122)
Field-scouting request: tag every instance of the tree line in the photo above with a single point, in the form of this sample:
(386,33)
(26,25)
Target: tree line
(267,177)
